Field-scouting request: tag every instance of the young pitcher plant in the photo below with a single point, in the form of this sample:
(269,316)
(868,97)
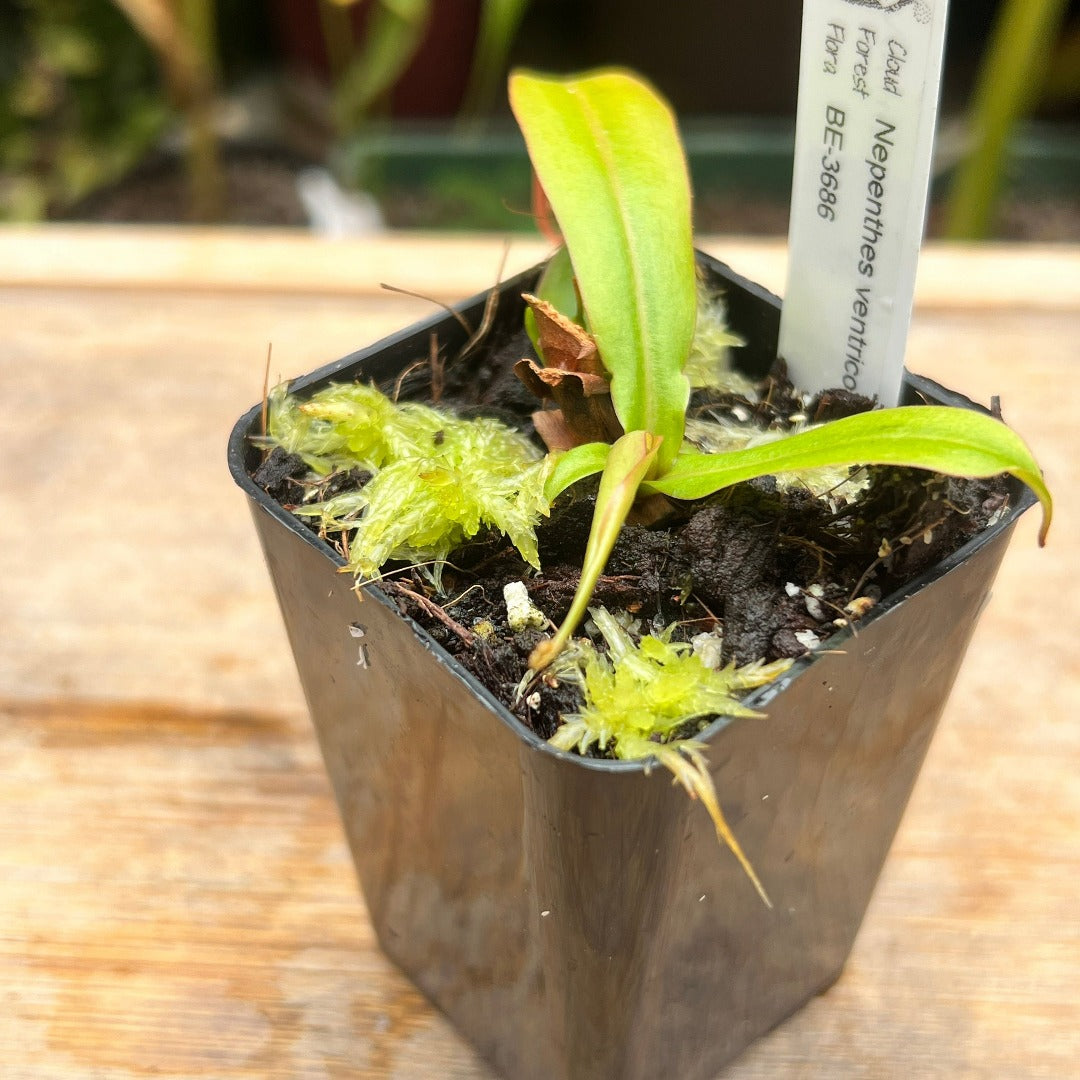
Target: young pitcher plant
(607,153)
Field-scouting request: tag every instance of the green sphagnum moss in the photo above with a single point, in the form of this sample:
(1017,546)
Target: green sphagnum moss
(437,480)
(638,698)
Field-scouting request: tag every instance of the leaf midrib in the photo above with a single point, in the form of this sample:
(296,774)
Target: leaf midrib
(642,340)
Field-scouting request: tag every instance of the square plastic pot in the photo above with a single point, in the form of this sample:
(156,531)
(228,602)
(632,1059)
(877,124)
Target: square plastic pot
(577,918)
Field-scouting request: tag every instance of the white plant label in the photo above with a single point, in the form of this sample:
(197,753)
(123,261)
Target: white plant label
(869,84)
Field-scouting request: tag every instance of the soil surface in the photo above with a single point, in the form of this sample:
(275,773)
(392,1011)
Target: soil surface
(779,570)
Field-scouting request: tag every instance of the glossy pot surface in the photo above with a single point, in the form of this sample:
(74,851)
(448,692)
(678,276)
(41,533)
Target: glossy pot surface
(577,918)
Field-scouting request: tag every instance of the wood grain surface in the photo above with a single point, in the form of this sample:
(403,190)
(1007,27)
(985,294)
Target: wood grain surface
(176,898)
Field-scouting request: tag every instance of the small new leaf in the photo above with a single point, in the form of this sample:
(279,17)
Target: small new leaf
(628,463)
(575,465)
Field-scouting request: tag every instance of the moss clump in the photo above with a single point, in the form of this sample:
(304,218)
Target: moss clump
(709,364)
(436,480)
(637,698)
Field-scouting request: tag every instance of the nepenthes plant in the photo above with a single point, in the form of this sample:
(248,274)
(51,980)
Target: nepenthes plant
(607,153)
(614,316)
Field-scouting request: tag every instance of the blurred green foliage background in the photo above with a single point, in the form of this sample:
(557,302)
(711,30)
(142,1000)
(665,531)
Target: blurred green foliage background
(173,110)
(80,102)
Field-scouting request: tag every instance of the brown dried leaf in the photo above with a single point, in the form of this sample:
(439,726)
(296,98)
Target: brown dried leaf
(565,345)
(585,411)
(548,383)
(552,427)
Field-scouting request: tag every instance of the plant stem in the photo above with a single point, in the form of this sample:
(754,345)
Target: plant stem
(1010,80)
(335,25)
(205,179)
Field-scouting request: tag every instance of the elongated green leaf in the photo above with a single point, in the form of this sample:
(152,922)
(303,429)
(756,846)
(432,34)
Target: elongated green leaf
(607,152)
(958,442)
(628,462)
(575,465)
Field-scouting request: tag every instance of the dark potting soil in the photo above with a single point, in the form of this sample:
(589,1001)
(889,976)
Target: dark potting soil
(779,570)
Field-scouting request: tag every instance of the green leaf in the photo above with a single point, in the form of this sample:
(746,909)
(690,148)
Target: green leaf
(574,465)
(606,149)
(958,442)
(628,462)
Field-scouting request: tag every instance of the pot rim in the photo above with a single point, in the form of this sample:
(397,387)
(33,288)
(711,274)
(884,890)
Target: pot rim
(1022,499)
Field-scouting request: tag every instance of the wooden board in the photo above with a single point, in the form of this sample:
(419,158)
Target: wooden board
(448,267)
(176,897)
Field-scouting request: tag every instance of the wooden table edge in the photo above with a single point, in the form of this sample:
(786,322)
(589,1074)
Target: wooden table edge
(450,266)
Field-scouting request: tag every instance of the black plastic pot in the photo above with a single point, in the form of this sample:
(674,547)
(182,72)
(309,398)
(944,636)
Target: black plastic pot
(577,918)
